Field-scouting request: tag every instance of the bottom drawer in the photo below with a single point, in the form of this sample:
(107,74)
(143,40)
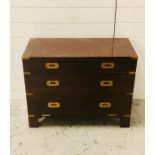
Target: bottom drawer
(79,104)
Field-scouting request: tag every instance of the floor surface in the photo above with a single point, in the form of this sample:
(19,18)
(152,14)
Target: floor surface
(76,137)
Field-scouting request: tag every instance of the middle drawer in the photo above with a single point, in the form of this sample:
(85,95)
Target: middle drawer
(114,82)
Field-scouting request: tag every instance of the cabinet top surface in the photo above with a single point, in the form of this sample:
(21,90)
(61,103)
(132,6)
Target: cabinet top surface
(82,47)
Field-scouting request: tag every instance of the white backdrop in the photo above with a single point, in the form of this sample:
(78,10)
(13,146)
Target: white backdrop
(74,18)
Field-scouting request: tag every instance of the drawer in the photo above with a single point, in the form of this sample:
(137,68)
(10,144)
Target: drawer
(79,103)
(57,83)
(78,65)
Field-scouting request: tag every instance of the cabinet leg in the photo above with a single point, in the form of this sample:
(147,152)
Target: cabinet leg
(33,121)
(125,122)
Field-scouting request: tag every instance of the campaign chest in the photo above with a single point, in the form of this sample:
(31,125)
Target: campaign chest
(79,77)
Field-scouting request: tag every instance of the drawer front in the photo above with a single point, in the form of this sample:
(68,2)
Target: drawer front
(79,103)
(78,65)
(55,83)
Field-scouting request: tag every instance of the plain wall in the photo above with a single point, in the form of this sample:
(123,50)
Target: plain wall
(74,18)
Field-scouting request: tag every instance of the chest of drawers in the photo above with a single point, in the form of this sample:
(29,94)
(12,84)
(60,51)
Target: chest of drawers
(79,77)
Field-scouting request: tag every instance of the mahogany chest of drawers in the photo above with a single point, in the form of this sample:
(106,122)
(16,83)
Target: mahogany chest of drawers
(79,77)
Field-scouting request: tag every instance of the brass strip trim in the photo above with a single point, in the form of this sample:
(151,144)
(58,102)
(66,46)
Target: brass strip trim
(132,73)
(129,94)
(46,115)
(31,115)
(126,115)
(25,58)
(135,58)
(112,115)
(27,73)
(29,94)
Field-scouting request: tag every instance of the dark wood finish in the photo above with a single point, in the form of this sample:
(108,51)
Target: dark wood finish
(81,65)
(79,72)
(124,121)
(78,103)
(121,83)
(33,122)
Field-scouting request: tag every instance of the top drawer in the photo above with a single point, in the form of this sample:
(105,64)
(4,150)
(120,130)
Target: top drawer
(79,65)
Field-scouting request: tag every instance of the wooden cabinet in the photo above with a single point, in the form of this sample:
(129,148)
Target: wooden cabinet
(79,77)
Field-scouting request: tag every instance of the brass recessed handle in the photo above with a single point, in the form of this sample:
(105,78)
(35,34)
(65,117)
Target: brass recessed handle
(53,105)
(52,83)
(53,65)
(106,83)
(107,65)
(105,105)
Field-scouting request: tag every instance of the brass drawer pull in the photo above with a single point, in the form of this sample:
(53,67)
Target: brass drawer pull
(53,65)
(53,105)
(52,83)
(105,105)
(106,83)
(107,65)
